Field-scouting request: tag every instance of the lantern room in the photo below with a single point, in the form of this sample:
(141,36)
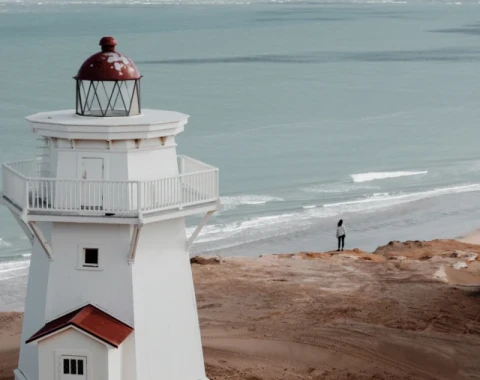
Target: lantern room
(108,84)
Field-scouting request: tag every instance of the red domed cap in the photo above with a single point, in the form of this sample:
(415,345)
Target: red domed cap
(108,65)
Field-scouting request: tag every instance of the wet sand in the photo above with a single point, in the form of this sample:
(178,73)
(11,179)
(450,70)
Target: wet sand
(403,312)
(10,329)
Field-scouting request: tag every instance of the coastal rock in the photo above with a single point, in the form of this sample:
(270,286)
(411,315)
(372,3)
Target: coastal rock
(460,265)
(347,256)
(204,261)
(425,257)
(441,275)
(397,246)
(430,250)
(469,256)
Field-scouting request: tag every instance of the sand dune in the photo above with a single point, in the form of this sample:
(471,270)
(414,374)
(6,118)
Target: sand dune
(401,313)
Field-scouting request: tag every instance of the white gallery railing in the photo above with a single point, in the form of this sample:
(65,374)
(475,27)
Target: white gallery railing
(196,184)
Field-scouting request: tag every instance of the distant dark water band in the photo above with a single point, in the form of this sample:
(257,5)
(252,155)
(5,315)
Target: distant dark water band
(453,54)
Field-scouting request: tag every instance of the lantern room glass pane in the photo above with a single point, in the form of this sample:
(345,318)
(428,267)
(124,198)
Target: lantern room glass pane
(108,98)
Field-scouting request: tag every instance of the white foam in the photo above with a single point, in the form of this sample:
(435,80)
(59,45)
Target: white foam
(4,243)
(372,176)
(390,200)
(6,266)
(231,202)
(13,269)
(380,194)
(257,228)
(252,229)
(338,187)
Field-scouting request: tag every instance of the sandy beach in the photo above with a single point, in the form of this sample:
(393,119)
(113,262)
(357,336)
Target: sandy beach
(406,311)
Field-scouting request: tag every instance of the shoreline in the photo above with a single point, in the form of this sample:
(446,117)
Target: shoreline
(332,315)
(471,237)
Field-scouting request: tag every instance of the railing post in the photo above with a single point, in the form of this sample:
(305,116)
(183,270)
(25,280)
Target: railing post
(26,195)
(182,164)
(180,179)
(139,196)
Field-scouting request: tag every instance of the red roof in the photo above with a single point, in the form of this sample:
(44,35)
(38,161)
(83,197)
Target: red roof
(91,320)
(108,65)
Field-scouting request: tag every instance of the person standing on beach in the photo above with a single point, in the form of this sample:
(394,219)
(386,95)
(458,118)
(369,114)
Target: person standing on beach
(341,232)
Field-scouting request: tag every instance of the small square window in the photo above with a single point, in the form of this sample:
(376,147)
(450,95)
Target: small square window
(89,256)
(90,259)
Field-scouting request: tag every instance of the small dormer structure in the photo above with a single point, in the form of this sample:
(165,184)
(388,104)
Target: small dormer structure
(85,342)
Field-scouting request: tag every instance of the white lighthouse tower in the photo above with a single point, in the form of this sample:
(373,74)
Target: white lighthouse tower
(110,293)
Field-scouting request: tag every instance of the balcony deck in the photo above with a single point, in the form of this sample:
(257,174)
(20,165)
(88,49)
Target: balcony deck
(36,197)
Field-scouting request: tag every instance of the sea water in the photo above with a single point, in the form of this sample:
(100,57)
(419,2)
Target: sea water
(313,111)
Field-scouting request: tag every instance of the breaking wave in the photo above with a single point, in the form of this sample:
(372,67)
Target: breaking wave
(378,200)
(364,177)
(226,235)
(12,269)
(337,187)
(4,243)
(232,202)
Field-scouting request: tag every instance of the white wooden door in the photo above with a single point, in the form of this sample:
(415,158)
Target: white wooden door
(73,367)
(92,188)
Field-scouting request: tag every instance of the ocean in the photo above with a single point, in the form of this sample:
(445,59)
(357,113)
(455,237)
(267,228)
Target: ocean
(313,111)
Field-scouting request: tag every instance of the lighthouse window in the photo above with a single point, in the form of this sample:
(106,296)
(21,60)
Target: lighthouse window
(80,367)
(73,366)
(91,257)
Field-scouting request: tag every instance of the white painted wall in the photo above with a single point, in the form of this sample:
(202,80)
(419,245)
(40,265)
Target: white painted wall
(72,342)
(53,159)
(123,162)
(167,334)
(109,288)
(115,368)
(35,305)
(69,163)
(128,359)
(150,164)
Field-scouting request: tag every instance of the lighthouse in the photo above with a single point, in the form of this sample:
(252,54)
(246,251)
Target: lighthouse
(110,293)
